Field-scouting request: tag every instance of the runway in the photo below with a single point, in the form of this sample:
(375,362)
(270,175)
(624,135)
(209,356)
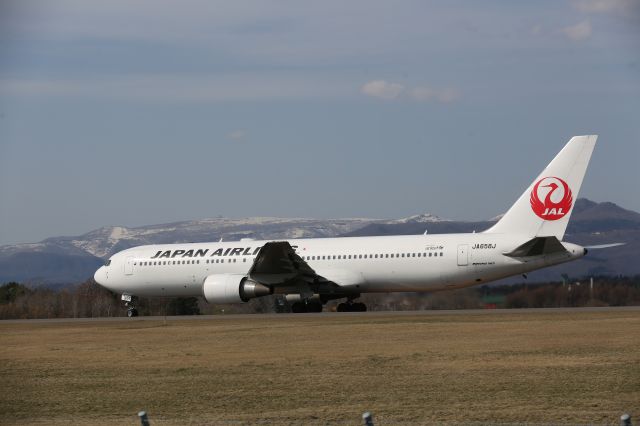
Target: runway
(258,317)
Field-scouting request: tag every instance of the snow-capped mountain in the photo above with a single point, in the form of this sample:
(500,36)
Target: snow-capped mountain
(420,218)
(105,241)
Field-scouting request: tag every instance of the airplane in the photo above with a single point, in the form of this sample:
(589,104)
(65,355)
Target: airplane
(311,272)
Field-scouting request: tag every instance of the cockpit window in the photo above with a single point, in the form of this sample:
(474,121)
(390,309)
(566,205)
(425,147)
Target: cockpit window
(107,263)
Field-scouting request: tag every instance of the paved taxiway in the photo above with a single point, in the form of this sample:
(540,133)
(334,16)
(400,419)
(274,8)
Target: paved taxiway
(222,317)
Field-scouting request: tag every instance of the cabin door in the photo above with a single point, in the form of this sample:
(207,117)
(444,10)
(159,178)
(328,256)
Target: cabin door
(463,255)
(128,266)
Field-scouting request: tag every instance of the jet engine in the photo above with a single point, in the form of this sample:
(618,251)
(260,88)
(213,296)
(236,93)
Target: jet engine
(232,288)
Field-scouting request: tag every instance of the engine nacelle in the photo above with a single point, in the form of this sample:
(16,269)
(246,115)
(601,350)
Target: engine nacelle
(232,288)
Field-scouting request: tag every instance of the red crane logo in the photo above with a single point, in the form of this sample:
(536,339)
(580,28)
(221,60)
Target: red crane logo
(557,200)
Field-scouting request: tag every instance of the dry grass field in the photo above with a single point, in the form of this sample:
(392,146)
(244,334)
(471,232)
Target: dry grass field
(542,367)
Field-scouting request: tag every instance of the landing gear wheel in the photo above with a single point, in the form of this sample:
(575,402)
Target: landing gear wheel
(314,307)
(298,308)
(130,302)
(359,307)
(302,307)
(351,307)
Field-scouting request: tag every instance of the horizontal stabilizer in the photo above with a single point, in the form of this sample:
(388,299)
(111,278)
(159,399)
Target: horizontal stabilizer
(604,246)
(537,246)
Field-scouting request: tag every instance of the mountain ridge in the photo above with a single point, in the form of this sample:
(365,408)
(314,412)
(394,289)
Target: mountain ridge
(68,259)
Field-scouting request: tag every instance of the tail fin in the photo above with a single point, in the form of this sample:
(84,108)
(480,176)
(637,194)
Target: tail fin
(543,210)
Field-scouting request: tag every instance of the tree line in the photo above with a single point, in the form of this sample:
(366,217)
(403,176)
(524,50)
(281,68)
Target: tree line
(90,300)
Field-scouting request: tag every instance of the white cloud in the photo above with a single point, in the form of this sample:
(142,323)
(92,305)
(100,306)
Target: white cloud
(237,135)
(605,6)
(578,32)
(382,89)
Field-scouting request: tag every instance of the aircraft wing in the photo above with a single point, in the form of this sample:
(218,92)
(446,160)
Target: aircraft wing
(278,265)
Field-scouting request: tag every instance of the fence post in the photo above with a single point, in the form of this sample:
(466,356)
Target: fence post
(144,420)
(625,420)
(368,419)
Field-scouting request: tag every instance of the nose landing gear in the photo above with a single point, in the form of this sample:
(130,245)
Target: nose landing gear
(130,302)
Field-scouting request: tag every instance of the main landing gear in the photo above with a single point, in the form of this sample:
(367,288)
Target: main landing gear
(130,302)
(315,305)
(308,306)
(299,305)
(351,306)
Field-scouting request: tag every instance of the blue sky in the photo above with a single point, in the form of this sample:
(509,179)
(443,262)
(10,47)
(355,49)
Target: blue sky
(140,112)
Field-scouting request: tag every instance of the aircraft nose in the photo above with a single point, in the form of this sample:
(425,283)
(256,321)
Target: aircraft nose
(101,275)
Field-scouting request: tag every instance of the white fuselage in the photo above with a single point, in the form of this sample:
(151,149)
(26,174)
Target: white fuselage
(526,238)
(416,263)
